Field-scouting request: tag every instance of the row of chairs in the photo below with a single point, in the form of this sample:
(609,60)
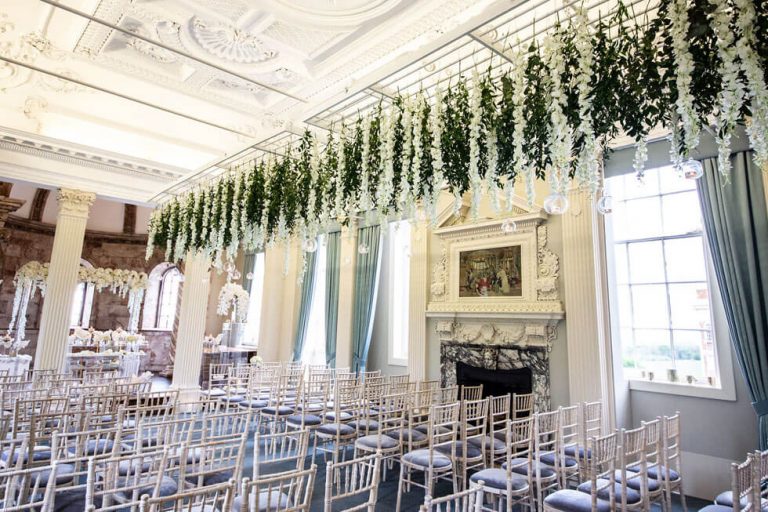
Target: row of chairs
(749,486)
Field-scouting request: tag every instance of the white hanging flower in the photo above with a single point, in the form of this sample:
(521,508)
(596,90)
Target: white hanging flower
(314,171)
(365,171)
(405,164)
(233,295)
(731,96)
(338,206)
(385,187)
(492,174)
(757,128)
(560,133)
(436,151)
(641,156)
(234,225)
(678,15)
(475,182)
(417,119)
(587,169)
(521,166)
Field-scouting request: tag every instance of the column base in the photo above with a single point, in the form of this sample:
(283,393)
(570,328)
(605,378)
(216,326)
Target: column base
(189,398)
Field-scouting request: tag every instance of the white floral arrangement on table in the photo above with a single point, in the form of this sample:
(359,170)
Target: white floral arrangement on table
(11,345)
(33,275)
(257,360)
(210,342)
(233,295)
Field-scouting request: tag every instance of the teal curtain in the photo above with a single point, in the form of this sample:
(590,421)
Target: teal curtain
(307,289)
(333,246)
(736,223)
(366,289)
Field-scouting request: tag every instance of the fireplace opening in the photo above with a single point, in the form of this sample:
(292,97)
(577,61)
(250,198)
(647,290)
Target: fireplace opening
(495,382)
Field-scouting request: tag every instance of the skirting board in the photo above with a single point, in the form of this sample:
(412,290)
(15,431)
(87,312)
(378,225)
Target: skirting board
(704,476)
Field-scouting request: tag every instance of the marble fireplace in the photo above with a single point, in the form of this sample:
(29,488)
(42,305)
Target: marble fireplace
(497,329)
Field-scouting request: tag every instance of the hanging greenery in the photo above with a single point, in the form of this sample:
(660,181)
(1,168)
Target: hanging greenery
(548,116)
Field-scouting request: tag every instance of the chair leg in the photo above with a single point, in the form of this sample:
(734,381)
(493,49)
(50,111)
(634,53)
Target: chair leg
(400,487)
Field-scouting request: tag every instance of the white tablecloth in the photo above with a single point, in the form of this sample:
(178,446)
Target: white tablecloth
(15,365)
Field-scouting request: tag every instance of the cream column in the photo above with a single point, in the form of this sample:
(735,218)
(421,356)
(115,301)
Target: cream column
(589,362)
(189,338)
(417,308)
(74,206)
(347,259)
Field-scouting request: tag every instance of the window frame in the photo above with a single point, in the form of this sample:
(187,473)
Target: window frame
(86,300)
(393,360)
(160,292)
(725,389)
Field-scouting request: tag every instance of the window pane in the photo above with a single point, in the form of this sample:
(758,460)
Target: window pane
(654,351)
(685,259)
(690,306)
(646,262)
(314,344)
(253,320)
(649,306)
(648,186)
(672,181)
(620,264)
(625,306)
(75,316)
(682,213)
(643,219)
(688,349)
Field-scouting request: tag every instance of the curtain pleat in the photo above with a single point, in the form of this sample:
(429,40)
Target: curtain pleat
(307,289)
(366,290)
(736,222)
(333,246)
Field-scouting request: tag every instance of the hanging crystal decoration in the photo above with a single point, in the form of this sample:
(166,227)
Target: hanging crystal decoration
(249,276)
(556,204)
(605,203)
(692,169)
(509,226)
(363,248)
(309,245)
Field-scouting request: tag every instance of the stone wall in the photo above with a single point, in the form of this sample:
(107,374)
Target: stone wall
(28,242)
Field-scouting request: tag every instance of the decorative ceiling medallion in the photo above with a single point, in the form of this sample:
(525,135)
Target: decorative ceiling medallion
(150,50)
(231,43)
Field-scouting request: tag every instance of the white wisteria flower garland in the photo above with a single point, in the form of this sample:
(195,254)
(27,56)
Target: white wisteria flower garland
(560,132)
(680,24)
(233,295)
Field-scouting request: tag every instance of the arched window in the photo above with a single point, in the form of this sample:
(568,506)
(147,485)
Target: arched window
(162,297)
(82,302)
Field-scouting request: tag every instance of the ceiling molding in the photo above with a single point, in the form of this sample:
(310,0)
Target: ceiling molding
(54,149)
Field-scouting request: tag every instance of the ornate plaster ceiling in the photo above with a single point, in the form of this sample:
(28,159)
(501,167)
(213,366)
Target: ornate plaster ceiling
(274,64)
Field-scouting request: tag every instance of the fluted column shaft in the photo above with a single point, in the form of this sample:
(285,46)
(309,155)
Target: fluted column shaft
(189,338)
(589,361)
(417,307)
(74,206)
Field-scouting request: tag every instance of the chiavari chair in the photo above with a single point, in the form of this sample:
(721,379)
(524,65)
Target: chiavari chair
(546,426)
(512,483)
(653,460)
(744,485)
(284,492)
(434,463)
(567,440)
(602,484)
(351,481)
(522,405)
(399,383)
(590,425)
(498,417)
(390,419)
(283,452)
(632,485)
(470,500)
(428,384)
(446,395)
(215,461)
(213,497)
(237,385)
(471,392)
(469,449)
(312,403)
(218,373)
(281,403)
(725,499)
(670,473)
(28,490)
(336,434)
(149,433)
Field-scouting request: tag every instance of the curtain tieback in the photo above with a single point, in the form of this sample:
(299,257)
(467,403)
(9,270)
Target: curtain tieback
(761,407)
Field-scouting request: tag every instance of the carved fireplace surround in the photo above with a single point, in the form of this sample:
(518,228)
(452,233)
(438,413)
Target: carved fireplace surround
(498,333)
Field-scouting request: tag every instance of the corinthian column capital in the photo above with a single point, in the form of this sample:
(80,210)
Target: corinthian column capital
(75,202)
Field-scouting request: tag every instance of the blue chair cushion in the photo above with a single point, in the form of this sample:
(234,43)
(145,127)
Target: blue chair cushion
(95,447)
(726,499)
(71,500)
(472,451)
(571,452)
(569,500)
(232,398)
(421,458)
(491,443)
(372,441)
(268,500)
(521,468)
(716,508)
(309,419)
(168,487)
(634,483)
(64,474)
(424,429)
(343,416)
(406,435)
(215,392)
(212,478)
(497,479)
(656,470)
(310,407)
(133,466)
(364,424)
(253,403)
(549,460)
(280,411)
(40,453)
(604,493)
(331,429)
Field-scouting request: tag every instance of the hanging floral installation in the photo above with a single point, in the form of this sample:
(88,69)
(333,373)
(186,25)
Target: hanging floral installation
(32,276)
(232,295)
(698,65)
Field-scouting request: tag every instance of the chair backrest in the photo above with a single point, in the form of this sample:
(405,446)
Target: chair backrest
(129,476)
(428,384)
(353,480)
(472,392)
(443,426)
(670,439)
(498,413)
(225,425)
(446,395)
(218,374)
(568,439)
(212,459)
(474,424)
(274,453)
(602,468)
(591,420)
(28,489)
(522,405)
(470,500)
(213,497)
(632,455)
(519,437)
(743,484)
(284,492)
(761,471)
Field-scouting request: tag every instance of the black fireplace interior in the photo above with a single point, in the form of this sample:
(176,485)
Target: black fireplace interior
(495,382)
